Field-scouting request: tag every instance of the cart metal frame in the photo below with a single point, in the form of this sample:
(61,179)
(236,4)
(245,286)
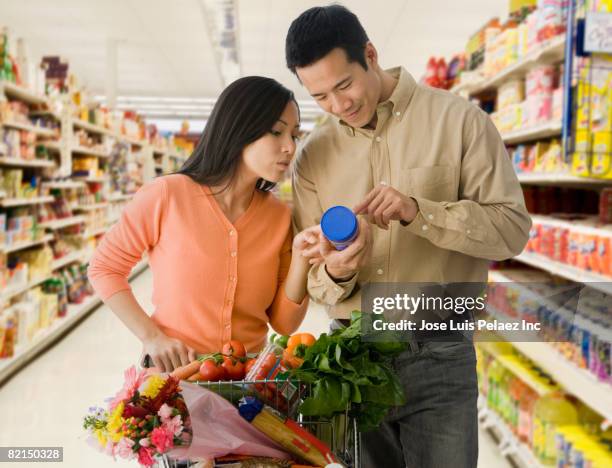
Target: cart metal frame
(340,432)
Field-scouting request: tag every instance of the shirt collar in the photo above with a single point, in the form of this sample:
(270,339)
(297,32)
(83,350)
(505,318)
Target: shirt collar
(399,99)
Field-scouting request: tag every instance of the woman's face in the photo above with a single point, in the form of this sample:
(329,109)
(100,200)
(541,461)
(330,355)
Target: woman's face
(269,157)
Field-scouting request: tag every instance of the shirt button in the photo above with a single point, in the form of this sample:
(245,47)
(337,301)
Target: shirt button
(233,254)
(398,114)
(425,228)
(430,216)
(379,271)
(378,139)
(228,326)
(232,232)
(232,278)
(469,232)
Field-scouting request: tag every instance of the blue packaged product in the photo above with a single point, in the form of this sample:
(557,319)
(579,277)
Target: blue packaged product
(339,225)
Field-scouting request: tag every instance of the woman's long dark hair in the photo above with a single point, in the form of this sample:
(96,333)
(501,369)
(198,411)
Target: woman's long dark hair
(245,111)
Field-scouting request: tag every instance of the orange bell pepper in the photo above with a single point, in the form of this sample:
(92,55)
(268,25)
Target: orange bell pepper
(296,347)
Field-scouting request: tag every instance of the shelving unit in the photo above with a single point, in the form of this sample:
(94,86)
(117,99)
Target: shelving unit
(29,128)
(13,202)
(62,223)
(599,282)
(76,312)
(25,245)
(16,162)
(549,52)
(545,130)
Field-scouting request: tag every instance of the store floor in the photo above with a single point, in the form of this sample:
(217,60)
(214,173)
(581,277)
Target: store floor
(43,405)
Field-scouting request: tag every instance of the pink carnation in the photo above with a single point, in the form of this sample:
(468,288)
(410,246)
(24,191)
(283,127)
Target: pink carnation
(165,412)
(174,426)
(162,439)
(145,457)
(124,448)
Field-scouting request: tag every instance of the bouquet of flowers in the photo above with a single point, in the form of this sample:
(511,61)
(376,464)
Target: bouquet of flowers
(146,418)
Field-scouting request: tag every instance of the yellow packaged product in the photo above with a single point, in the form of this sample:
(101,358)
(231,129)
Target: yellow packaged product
(601,162)
(550,412)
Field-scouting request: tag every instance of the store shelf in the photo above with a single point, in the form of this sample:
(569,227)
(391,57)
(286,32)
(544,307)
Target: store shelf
(61,185)
(120,198)
(24,354)
(17,92)
(550,52)
(12,292)
(52,146)
(98,129)
(545,130)
(561,179)
(91,180)
(25,245)
(67,260)
(29,128)
(509,445)
(94,206)
(46,113)
(595,281)
(89,152)
(17,162)
(94,233)
(62,223)
(12,202)
(576,381)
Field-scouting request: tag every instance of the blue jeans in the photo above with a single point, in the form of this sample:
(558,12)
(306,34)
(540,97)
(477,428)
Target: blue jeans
(438,425)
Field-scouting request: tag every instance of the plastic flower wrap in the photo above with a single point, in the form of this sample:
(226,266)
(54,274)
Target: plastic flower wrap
(146,418)
(150,417)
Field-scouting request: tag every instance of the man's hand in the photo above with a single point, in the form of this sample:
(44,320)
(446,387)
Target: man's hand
(384,204)
(343,264)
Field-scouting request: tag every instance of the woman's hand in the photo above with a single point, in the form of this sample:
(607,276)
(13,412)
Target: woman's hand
(167,353)
(306,245)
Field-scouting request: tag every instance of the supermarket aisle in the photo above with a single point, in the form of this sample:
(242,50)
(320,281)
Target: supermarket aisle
(37,411)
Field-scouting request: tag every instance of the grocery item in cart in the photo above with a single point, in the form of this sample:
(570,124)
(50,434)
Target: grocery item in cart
(286,432)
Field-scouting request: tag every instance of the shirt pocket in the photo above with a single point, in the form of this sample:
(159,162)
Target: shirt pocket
(435,183)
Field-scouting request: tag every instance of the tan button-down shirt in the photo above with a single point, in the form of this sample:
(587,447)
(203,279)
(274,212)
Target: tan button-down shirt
(437,148)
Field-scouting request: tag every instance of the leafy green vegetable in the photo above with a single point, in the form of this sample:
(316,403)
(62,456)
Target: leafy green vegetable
(344,369)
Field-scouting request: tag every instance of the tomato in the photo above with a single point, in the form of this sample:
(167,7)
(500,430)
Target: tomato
(234,368)
(211,371)
(249,365)
(234,348)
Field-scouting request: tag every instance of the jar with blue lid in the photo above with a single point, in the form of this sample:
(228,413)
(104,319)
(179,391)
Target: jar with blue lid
(339,225)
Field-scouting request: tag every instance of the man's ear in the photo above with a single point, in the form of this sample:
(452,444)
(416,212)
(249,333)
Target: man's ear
(371,55)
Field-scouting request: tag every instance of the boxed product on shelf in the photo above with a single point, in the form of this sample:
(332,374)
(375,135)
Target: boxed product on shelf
(86,167)
(39,261)
(536,412)
(551,16)
(605,206)
(8,332)
(581,243)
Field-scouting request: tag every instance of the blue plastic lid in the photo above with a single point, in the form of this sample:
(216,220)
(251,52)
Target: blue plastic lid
(249,407)
(339,224)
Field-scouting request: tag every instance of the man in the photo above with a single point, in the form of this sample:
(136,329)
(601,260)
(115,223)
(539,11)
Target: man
(430,172)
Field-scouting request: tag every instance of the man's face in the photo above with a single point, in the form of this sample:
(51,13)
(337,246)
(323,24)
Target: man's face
(342,88)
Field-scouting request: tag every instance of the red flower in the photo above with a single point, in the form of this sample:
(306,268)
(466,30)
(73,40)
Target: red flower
(145,457)
(162,439)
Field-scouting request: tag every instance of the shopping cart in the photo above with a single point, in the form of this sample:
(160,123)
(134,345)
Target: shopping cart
(340,432)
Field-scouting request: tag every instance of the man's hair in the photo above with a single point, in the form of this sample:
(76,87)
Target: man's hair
(319,30)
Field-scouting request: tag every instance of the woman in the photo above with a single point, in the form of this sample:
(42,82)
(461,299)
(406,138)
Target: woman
(219,244)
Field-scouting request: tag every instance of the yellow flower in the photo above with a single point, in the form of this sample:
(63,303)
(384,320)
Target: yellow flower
(101,436)
(154,385)
(115,423)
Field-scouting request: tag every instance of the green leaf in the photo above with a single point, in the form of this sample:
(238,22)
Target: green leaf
(329,396)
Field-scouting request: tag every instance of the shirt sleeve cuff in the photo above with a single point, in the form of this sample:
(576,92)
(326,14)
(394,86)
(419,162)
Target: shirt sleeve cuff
(429,217)
(323,288)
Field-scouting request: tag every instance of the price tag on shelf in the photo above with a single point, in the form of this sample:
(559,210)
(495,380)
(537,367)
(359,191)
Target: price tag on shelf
(598,32)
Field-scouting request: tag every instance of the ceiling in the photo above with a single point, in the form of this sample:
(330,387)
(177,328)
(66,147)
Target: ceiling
(165,47)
